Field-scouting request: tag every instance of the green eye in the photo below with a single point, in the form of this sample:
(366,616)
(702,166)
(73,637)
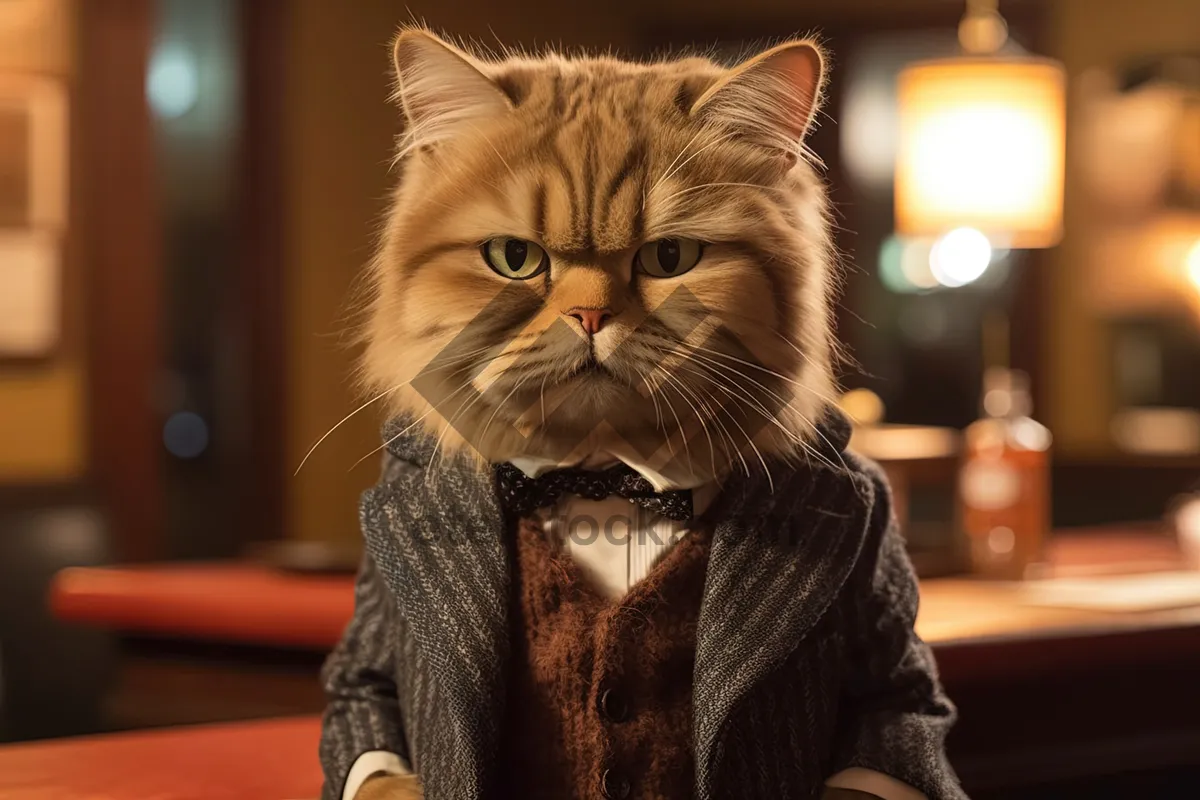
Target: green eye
(666,258)
(514,258)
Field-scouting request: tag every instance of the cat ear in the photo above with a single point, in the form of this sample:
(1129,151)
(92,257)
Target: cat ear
(771,98)
(440,87)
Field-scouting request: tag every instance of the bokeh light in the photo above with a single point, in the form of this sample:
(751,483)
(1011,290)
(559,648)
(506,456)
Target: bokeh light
(1193,264)
(172,82)
(185,435)
(960,257)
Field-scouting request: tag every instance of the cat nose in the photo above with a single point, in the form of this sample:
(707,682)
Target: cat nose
(592,319)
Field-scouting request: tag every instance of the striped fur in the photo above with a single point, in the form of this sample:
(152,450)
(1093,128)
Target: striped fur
(806,659)
(591,157)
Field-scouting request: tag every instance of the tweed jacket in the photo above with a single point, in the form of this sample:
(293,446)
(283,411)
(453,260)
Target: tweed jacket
(806,660)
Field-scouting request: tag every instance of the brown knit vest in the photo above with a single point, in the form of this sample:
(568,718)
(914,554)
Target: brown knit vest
(600,697)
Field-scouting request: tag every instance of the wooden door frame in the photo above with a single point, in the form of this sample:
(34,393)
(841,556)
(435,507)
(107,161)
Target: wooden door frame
(119,242)
(263,290)
(118,239)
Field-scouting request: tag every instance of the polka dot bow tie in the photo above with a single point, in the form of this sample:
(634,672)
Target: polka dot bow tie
(521,495)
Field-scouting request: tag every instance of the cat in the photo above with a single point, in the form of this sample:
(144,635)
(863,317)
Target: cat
(587,260)
(589,255)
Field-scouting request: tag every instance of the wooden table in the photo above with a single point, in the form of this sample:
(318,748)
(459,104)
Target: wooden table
(271,760)
(1044,694)
(222,602)
(256,605)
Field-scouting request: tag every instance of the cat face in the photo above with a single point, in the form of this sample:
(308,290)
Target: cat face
(588,254)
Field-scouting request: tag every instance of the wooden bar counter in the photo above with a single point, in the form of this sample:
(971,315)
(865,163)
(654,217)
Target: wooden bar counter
(1044,694)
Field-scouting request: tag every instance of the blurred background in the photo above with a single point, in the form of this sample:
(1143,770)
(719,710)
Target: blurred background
(188,193)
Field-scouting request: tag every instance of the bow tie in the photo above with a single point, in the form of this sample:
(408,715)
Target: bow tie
(521,495)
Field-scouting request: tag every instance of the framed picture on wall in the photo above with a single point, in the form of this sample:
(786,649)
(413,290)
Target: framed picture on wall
(33,213)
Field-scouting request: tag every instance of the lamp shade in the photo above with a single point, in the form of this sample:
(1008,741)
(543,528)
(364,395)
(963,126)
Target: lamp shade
(982,144)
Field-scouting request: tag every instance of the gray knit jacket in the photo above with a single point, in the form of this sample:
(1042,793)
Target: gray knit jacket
(806,659)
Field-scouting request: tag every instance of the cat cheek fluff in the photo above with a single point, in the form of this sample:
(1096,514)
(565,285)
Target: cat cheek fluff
(618,548)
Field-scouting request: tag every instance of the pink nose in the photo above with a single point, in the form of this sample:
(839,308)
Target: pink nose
(592,319)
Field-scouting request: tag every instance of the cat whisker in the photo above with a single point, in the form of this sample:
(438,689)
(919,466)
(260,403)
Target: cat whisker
(745,397)
(816,428)
(675,384)
(658,420)
(799,351)
(749,439)
(805,448)
(771,372)
(721,382)
(433,407)
(389,442)
(462,409)
(715,417)
(499,406)
(678,423)
(717,380)
(343,421)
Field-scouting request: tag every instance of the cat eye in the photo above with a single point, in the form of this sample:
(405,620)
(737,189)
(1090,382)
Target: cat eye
(514,258)
(666,258)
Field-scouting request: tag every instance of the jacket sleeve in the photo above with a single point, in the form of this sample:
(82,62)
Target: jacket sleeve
(362,714)
(894,715)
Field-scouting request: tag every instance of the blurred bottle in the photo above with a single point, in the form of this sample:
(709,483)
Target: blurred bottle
(1004,483)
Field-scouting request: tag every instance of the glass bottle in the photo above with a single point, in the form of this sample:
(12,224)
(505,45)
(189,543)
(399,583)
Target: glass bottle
(1004,482)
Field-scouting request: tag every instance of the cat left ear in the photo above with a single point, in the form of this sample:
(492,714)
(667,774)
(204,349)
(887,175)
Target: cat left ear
(440,87)
(771,98)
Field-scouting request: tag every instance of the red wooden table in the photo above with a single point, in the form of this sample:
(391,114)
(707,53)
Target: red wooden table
(241,602)
(270,760)
(222,601)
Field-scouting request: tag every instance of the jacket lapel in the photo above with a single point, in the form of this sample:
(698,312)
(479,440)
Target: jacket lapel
(436,535)
(777,562)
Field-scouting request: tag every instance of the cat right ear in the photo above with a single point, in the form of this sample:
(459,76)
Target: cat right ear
(770,99)
(440,87)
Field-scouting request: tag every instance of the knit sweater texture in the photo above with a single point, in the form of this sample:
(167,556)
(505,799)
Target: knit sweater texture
(600,701)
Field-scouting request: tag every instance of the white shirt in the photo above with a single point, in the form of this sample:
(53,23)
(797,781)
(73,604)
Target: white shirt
(615,543)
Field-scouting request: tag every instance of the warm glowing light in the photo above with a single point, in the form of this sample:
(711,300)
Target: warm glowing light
(960,257)
(868,130)
(1187,526)
(863,406)
(1192,262)
(1001,540)
(982,145)
(1157,430)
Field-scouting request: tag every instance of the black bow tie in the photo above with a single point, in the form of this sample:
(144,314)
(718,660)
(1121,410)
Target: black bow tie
(521,495)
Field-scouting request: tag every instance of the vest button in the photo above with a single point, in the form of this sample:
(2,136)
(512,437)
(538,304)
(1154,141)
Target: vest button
(614,786)
(613,705)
